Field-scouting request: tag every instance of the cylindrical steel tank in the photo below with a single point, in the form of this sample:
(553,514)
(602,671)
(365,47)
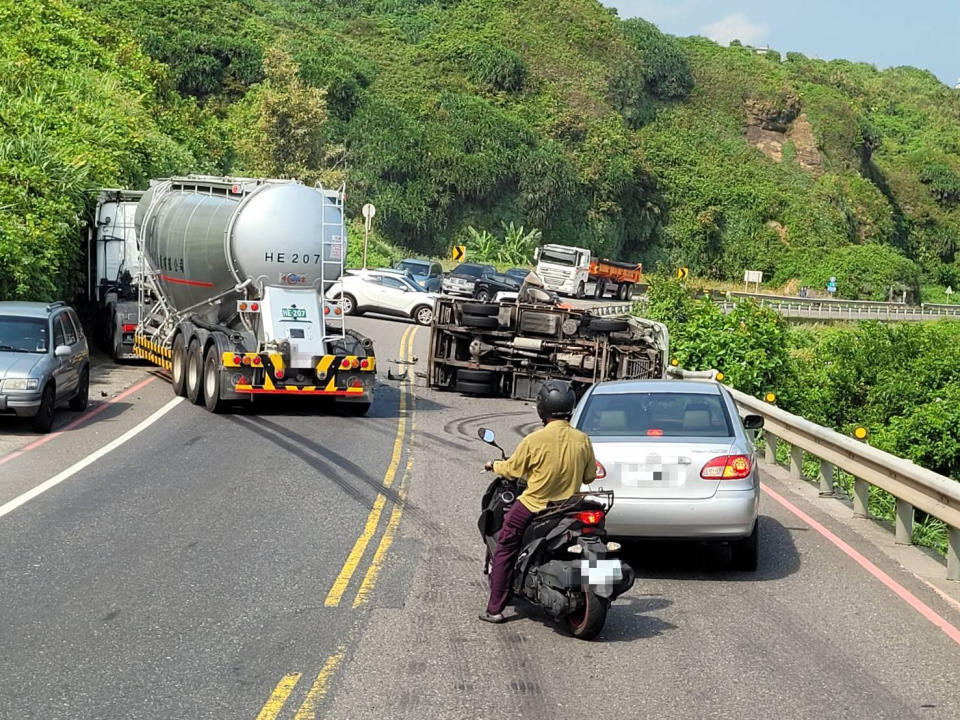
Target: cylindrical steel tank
(204,239)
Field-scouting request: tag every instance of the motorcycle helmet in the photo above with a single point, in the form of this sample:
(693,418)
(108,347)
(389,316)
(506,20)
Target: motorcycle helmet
(555,401)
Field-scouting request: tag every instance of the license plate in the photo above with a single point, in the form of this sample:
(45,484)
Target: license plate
(295,313)
(603,572)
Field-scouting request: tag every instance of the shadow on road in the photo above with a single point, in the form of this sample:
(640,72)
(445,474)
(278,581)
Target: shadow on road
(684,560)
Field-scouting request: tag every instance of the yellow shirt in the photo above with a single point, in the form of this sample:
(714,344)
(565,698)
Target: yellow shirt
(555,460)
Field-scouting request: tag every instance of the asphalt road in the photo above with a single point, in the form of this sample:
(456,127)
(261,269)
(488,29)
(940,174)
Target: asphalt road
(253,565)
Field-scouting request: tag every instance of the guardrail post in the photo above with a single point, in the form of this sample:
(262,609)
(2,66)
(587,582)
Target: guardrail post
(953,553)
(904,523)
(826,479)
(796,462)
(861,498)
(770,449)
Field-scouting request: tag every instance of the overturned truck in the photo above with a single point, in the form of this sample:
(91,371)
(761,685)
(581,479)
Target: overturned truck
(512,348)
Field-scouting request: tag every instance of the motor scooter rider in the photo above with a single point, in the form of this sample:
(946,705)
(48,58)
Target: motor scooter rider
(555,460)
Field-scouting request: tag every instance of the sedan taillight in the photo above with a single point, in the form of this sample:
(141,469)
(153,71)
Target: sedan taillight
(726,467)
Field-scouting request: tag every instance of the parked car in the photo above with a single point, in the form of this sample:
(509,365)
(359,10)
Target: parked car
(428,275)
(44,361)
(387,292)
(463,278)
(679,460)
(487,287)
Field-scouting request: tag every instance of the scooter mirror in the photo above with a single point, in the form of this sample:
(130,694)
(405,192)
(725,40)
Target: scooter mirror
(487,435)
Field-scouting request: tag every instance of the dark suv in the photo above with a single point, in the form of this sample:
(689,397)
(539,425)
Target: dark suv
(44,361)
(462,279)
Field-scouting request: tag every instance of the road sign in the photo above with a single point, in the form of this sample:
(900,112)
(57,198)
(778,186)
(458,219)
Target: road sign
(753,276)
(682,273)
(459,253)
(949,290)
(368,212)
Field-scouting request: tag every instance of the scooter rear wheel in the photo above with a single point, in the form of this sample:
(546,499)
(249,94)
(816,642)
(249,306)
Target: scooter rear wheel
(587,622)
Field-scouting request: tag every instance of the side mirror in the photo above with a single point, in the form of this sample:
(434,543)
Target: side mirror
(487,435)
(753,422)
(62,351)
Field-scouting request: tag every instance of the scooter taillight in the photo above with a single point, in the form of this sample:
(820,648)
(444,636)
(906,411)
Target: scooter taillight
(590,517)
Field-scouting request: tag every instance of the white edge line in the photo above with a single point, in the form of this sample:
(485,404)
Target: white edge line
(88,460)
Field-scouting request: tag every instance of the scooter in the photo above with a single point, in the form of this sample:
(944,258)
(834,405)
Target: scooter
(564,565)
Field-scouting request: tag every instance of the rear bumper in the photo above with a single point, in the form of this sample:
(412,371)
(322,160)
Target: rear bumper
(729,514)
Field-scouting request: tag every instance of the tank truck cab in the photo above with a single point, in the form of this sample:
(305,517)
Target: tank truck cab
(241,267)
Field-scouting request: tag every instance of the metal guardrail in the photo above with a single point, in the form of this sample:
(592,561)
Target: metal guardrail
(912,485)
(830,309)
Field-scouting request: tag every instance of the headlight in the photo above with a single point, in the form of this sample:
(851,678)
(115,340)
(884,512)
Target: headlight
(21,384)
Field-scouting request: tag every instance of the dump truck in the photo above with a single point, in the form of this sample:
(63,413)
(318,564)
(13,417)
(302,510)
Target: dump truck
(232,292)
(511,348)
(574,272)
(113,270)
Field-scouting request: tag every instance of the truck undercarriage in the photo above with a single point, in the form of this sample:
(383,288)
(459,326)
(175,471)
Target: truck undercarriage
(511,349)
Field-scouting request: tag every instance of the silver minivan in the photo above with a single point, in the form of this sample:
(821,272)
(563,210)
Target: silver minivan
(44,361)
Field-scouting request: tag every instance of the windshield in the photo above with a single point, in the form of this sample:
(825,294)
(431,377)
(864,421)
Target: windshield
(473,270)
(20,334)
(659,414)
(557,257)
(417,268)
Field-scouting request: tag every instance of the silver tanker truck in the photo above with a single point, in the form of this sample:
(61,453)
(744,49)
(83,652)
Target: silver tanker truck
(232,292)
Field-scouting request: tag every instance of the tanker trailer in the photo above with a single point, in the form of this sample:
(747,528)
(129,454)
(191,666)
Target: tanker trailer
(232,299)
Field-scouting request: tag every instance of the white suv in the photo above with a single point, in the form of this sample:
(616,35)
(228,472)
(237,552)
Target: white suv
(383,291)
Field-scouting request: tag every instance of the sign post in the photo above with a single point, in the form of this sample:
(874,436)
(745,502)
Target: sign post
(368,212)
(752,276)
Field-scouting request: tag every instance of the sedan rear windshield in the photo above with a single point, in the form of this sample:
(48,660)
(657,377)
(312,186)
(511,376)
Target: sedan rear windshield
(20,334)
(656,414)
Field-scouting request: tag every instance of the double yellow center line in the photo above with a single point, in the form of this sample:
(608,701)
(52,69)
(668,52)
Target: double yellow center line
(352,562)
(321,685)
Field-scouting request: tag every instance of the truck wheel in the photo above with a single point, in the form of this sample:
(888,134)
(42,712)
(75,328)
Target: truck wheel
(42,422)
(484,309)
(599,289)
(116,340)
(78,403)
(581,290)
(194,373)
(354,409)
(475,388)
(178,366)
(476,377)
(211,382)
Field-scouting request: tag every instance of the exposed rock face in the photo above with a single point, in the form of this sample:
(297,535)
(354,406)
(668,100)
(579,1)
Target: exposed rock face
(770,127)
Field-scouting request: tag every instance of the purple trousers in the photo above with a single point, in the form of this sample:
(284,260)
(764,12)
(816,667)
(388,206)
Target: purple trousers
(508,547)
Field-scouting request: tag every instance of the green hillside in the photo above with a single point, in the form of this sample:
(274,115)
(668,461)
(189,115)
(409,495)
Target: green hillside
(446,114)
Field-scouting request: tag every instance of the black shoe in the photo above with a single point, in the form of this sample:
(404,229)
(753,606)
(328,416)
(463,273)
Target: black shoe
(487,617)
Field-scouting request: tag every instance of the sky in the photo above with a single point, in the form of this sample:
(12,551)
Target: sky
(886,33)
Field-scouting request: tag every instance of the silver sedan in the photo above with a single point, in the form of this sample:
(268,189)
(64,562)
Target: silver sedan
(679,459)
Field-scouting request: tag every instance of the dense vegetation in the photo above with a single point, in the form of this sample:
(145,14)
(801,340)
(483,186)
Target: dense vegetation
(895,380)
(480,113)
